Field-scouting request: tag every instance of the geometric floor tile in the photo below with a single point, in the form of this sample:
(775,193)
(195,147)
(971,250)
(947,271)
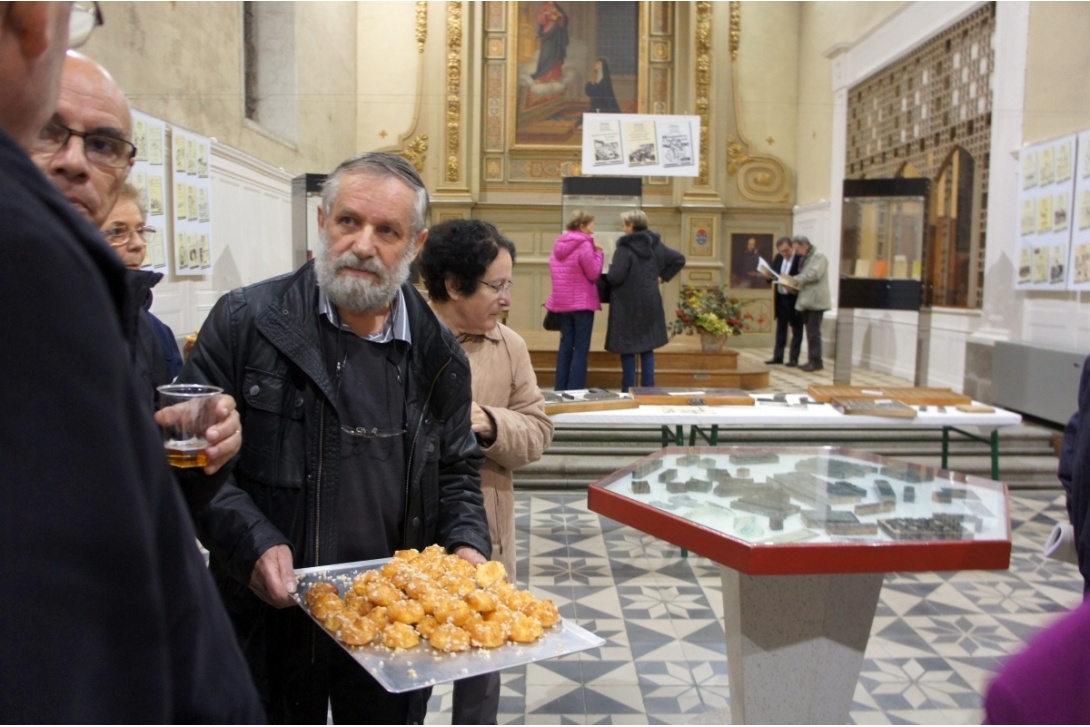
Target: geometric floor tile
(936,640)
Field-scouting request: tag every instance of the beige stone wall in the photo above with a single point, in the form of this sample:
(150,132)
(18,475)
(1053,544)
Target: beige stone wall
(1057,59)
(389,66)
(823,25)
(183,62)
(767,84)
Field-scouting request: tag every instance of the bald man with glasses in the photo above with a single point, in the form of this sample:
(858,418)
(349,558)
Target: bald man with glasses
(110,614)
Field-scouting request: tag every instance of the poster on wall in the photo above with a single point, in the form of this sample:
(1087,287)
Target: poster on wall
(641,145)
(148,176)
(1046,197)
(1078,267)
(192,192)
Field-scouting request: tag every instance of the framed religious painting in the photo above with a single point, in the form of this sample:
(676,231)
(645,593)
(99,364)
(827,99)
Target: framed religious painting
(572,58)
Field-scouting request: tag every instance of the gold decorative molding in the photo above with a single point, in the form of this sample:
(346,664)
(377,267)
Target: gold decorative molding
(759,178)
(415,151)
(415,148)
(703,46)
(735,29)
(421,25)
(454,87)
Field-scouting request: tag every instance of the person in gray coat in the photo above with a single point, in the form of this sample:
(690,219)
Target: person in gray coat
(814,299)
(637,324)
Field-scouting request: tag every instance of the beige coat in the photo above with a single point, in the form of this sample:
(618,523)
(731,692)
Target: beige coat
(505,386)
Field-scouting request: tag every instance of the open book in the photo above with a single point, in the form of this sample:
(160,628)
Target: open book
(766,270)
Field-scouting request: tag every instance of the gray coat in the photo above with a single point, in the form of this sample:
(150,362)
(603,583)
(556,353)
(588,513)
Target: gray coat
(636,320)
(813,280)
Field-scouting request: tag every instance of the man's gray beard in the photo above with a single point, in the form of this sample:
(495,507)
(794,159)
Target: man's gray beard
(356,294)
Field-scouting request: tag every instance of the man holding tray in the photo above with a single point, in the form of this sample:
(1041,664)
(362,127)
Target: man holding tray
(356,405)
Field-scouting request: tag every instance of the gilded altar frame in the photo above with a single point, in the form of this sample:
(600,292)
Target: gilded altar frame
(510,39)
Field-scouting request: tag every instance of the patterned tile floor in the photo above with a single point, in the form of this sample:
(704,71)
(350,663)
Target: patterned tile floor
(936,639)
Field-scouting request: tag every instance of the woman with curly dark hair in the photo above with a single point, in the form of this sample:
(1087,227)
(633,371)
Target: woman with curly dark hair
(466,266)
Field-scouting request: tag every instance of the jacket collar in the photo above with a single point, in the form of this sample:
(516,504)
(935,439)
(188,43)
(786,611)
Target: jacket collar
(290,322)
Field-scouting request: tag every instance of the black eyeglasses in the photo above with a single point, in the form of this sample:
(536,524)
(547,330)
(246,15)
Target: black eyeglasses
(84,19)
(103,150)
(498,289)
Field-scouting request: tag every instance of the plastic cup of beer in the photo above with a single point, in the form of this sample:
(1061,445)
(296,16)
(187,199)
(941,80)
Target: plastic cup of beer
(192,410)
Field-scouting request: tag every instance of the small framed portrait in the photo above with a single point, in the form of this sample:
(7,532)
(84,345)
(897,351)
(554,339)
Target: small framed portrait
(747,249)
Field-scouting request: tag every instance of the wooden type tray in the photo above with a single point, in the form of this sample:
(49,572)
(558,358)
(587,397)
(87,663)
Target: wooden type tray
(875,408)
(423,666)
(577,400)
(684,396)
(911,395)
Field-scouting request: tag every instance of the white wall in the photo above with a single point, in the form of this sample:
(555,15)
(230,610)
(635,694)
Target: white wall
(251,229)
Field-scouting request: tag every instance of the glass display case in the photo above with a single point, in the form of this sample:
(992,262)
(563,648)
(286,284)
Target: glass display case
(882,242)
(786,510)
(804,536)
(605,198)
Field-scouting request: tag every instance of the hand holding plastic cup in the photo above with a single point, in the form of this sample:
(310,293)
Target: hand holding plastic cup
(191,410)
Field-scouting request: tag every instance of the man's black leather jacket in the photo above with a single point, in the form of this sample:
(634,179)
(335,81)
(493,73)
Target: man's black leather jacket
(261,344)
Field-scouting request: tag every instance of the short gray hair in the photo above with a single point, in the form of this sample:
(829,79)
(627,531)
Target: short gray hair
(636,218)
(802,240)
(380,164)
(132,194)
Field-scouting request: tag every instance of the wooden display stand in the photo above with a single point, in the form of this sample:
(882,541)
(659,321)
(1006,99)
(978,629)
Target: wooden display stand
(680,363)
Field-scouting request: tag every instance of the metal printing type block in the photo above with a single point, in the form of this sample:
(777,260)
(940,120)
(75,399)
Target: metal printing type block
(687,460)
(885,491)
(874,508)
(694,484)
(667,475)
(754,458)
(675,486)
(736,488)
(641,487)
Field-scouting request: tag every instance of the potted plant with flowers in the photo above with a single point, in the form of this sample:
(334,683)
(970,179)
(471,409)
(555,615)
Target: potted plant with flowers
(710,311)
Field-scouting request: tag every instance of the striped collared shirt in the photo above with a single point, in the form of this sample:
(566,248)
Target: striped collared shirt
(397,323)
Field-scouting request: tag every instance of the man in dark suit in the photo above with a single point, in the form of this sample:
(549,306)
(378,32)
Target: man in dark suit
(786,262)
(96,542)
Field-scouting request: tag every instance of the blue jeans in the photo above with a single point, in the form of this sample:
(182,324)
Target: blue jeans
(571,359)
(628,370)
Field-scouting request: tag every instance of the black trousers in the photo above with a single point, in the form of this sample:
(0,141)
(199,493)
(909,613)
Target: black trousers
(812,320)
(787,317)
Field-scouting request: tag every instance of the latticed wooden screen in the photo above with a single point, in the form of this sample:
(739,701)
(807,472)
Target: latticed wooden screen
(909,118)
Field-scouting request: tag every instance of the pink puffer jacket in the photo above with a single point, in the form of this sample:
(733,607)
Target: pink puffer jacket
(574,266)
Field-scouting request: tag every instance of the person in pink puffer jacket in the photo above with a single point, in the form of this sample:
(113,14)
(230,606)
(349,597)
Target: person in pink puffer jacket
(575,264)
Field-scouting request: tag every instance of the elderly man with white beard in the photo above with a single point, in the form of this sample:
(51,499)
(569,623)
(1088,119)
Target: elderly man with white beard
(356,405)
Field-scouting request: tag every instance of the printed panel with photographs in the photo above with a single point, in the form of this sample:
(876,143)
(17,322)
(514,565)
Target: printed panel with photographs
(1045,204)
(1079,265)
(149,177)
(192,186)
(641,145)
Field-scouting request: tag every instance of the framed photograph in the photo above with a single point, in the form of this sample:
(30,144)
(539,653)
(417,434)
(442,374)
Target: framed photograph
(702,238)
(747,249)
(571,58)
